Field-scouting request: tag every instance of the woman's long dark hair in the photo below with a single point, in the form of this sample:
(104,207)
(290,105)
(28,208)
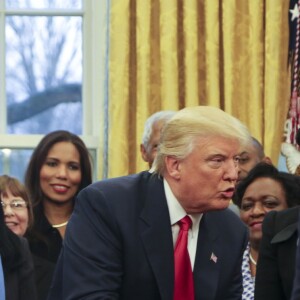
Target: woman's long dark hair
(39,155)
(32,175)
(10,246)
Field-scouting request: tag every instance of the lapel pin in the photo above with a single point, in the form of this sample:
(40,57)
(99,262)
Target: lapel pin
(213,257)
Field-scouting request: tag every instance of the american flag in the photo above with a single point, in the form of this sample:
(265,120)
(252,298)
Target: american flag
(294,59)
(213,257)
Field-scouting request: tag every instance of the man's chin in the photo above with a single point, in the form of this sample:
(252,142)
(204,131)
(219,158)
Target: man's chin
(223,204)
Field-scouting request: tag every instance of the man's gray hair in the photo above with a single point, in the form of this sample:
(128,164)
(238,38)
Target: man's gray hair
(163,115)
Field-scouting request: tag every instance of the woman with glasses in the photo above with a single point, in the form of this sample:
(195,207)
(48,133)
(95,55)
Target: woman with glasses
(15,255)
(18,217)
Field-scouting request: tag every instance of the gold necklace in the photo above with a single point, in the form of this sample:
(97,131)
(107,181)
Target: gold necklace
(60,225)
(252,259)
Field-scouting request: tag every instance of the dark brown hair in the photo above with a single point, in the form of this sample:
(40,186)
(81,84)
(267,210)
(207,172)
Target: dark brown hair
(38,158)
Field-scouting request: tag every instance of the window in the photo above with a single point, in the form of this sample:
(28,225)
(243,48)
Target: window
(52,76)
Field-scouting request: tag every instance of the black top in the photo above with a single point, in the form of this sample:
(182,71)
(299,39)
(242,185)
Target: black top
(19,283)
(45,241)
(43,271)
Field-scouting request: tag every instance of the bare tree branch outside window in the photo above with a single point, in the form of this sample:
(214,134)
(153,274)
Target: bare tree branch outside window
(43,70)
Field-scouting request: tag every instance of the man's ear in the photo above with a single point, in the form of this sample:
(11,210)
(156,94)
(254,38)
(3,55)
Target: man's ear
(173,167)
(267,160)
(144,153)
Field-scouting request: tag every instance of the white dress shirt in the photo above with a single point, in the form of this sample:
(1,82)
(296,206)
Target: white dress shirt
(177,212)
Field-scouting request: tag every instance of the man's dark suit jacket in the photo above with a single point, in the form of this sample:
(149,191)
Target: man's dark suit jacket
(118,245)
(276,263)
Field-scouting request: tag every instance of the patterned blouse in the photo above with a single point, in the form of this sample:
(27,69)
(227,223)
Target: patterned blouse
(248,280)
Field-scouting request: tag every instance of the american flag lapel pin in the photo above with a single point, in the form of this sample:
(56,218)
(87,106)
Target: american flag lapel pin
(213,258)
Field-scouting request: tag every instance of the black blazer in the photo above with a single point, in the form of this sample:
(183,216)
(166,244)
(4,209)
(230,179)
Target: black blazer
(276,262)
(43,273)
(20,284)
(118,245)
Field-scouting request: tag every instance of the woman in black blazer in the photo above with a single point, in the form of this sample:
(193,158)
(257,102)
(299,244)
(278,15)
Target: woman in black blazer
(277,254)
(19,220)
(17,264)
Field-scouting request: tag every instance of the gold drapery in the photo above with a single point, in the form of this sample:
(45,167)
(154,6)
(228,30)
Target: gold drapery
(169,54)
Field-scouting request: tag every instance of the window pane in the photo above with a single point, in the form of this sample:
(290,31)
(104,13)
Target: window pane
(43,74)
(14,162)
(43,4)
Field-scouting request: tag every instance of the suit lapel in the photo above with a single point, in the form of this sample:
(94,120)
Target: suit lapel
(156,234)
(206,268)
(285,233)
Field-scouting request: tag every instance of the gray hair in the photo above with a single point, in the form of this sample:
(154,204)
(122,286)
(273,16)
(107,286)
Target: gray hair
(180,133)
(163,115)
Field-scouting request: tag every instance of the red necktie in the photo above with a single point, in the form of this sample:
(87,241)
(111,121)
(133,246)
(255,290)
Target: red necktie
(184,282)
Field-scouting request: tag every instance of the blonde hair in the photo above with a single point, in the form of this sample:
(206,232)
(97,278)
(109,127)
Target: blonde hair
(187,125)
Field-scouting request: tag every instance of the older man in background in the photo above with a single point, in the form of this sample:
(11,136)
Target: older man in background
(151,135)
(250,156)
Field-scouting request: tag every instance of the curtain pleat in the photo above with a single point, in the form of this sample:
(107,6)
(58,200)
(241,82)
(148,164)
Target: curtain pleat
(169,54)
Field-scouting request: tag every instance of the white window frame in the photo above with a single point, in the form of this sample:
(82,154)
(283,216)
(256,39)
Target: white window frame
(94,90)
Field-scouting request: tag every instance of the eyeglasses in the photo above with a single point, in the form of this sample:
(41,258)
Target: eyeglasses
(15,204)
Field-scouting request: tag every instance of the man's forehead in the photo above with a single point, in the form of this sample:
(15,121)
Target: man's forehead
(217,145)
(245,153)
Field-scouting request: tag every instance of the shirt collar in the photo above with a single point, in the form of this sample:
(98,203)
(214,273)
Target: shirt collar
(176,211)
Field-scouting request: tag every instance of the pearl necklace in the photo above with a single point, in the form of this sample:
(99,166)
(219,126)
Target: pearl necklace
(252,259)
(60,225)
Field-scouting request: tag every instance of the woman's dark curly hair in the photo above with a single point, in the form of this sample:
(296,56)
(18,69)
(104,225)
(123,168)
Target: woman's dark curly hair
(289,182)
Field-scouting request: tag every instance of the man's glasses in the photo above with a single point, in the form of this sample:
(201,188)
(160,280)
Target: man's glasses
(15,204)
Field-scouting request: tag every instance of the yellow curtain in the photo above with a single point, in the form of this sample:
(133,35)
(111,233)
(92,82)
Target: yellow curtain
(169,54)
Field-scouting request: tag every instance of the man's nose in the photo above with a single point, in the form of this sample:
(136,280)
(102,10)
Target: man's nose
(231,171)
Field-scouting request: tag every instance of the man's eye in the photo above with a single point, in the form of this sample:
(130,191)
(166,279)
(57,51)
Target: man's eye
(243,160)
(215,163)
(217,160)
(236,160)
